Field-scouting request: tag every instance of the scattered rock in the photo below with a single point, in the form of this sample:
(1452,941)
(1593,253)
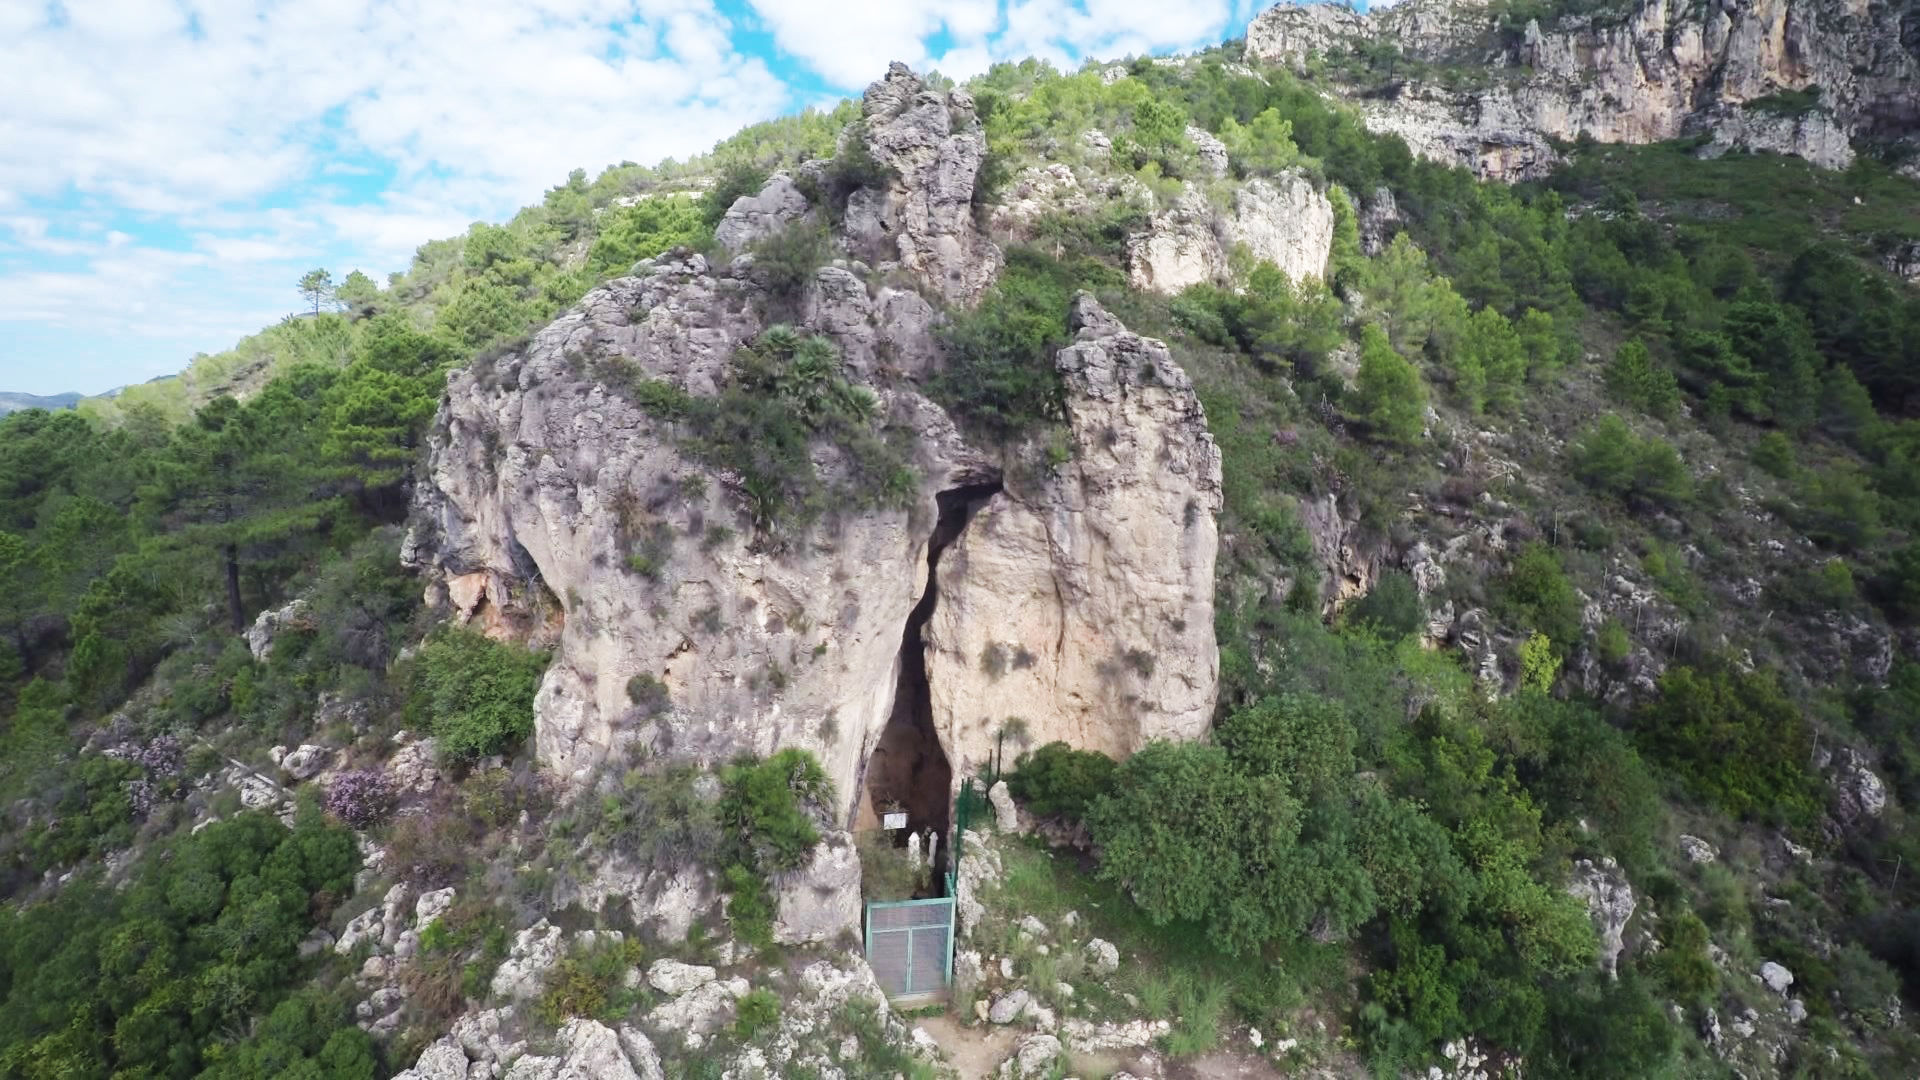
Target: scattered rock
(1102,957)
(1009,1007)
(674,978)
(432,905)
(535,950)
(306,761)
(1697,851)
(1777,978)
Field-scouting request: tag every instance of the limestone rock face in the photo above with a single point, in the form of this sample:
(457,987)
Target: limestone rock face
(752,217)
(932,144)
(1282,220)
(1661,70)
(541,474)
(1610,902)
(814,903)
(1082,601)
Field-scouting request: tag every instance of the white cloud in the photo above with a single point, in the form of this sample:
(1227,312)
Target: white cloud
(186,155)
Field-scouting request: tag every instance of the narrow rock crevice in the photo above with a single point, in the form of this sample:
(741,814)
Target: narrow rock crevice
(909,770)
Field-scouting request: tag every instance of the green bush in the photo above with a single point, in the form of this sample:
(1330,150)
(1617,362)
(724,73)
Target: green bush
(188,965)
(1773,454)
(1536,594)
(755,1013)
(589,981)
(475,694)
(1612,459)
(1392,608)
(765,807)
(1059,781)
(1634,377)
(1735,739)
(998,376)
(648,695)
(785,261)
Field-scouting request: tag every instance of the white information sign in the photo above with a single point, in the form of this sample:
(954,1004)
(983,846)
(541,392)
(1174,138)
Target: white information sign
(894,821)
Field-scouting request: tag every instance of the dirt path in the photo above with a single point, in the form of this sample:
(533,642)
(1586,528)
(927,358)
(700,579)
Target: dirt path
(975,1051)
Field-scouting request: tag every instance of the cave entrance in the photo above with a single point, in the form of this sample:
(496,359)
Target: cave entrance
(908,773)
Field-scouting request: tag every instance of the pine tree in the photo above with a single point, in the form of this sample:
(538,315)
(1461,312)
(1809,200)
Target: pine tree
(1389,397)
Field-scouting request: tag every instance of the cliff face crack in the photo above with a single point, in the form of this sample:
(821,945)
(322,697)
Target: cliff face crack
(909,772)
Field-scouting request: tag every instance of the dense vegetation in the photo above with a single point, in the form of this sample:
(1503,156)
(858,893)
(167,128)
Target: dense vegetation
(1643,371)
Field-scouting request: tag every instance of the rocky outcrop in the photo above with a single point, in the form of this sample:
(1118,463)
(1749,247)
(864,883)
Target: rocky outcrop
(931,145)
(560,512)
(1283,220)
(1747,72)
(753,217)
(542,473)
(1610,903)
(1081,600)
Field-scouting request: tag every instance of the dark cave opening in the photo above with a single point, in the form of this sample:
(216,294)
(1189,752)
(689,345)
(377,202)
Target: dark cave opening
(908,771)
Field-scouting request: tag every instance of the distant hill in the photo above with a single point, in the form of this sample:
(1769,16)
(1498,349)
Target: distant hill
(15,402)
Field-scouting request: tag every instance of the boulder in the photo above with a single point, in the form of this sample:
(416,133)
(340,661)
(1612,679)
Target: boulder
(1102,957)
(269,625)
(1858,793)
(1009,1007)
(534,952)
(1006,816)
(305,761)
(752,217)
(444,1060)
(821,900)
(432,905)
(1697,851)
(1777,978)
(1211,151)
(699,1012)
(673,978)
(1034,1057)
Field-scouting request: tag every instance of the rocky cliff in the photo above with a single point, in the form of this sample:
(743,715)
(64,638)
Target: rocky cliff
(1803,77)
(561,508)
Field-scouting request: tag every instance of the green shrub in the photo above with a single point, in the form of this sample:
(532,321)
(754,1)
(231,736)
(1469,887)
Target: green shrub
(1634,377)
(1735,739)
(999,376)
(589,981)
(1059,781)
(1536,594)
(749,905)
(755,1013)
(734,181)
(645,230)
(473,693)
(1611,643)
(648,695)
(1392,608)
(1682,963)
(1612,459)
(785,261)
(765,807)
(1773,454)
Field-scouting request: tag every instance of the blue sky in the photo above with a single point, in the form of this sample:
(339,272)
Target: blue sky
(171,166)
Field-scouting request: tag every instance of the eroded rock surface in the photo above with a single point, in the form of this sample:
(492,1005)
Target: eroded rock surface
(1081,601)
(1661,70)
(1284,220)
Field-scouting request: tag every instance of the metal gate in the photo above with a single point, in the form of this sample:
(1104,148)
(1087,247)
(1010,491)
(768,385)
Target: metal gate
(910,946)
